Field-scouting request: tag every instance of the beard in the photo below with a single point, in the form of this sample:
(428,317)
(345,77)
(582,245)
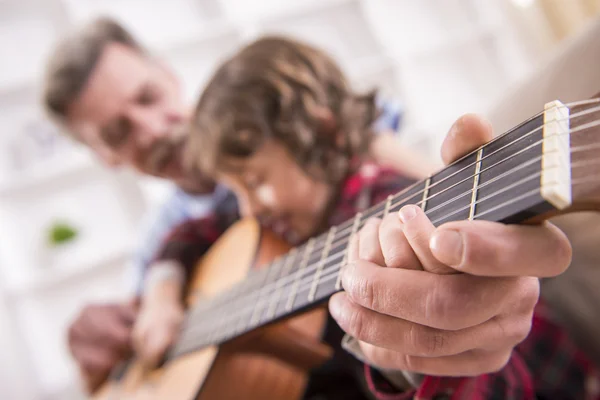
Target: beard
(165,160)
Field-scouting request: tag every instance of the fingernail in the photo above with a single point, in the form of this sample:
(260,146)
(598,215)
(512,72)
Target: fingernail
(407,213)
(447,246)
(335,306)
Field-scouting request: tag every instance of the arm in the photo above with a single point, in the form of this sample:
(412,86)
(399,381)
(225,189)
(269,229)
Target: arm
(179,208)
(387,150)
(165,284)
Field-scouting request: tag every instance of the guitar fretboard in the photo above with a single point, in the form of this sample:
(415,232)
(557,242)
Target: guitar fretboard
(504,181)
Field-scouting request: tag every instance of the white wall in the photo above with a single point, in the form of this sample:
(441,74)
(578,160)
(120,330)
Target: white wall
(440,58)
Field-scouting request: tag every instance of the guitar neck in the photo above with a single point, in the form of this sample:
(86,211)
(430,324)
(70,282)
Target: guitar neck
(522,175)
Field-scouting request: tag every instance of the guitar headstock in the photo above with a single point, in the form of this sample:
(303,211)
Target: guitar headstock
(585,155)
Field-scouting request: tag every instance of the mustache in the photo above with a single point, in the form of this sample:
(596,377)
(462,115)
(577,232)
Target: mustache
(163,152)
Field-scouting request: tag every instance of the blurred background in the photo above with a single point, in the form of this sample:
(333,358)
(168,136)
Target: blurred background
(68,226)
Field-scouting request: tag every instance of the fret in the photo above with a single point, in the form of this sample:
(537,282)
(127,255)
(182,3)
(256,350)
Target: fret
(289,262)
(245,319)
(324,254)
(373,212)
(425,193)
(271,276)
(388,203)
(327,284)
(475,184)
(508,177)
(357,220)
(306,255)
(449,192)
(411,195)
(239,321)
(513,158)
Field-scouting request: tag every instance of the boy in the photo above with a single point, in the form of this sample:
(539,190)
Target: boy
(278,125)
(126,105)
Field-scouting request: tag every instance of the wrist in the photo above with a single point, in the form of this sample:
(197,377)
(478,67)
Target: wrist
(164,283)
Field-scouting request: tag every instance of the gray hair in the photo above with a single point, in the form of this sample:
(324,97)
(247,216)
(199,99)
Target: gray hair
(73,60)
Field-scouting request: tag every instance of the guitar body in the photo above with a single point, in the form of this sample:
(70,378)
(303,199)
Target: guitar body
(269,363)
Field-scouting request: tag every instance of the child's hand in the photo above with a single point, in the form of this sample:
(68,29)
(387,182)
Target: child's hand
(156,328)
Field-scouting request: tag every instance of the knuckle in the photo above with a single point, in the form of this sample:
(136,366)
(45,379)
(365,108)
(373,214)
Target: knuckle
(528,294)
(370,254)
(563,253)
(496,362)
(522,330)
(441,308)
(410,363)
(390,225)
(394,258)
(378,356)
(356,326)
(370,226)
(363,293)
(479,363)
(427,342)
(514,330)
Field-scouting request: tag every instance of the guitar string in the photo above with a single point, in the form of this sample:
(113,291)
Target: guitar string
(307,283)
(341,240)
(574,166)
(310,281)
(184,345)
(348,224)
(342,230)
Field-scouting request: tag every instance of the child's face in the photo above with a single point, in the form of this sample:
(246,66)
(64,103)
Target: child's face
(272,187)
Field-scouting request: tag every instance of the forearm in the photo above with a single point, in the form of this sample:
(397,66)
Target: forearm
(164,282)
(387,150)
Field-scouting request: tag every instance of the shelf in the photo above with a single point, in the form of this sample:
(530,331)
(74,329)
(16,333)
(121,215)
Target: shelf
(47,175)
(53,277)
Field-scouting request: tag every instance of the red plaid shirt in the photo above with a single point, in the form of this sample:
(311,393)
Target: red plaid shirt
(546,365)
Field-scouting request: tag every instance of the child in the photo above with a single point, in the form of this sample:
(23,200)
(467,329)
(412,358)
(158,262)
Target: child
(278,125)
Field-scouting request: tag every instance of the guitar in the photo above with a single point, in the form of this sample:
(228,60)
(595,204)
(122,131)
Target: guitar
(255,333)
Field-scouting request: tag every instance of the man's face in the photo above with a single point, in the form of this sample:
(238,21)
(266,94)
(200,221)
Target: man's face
(130,112)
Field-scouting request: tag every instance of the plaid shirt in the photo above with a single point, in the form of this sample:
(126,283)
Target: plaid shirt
(546,365)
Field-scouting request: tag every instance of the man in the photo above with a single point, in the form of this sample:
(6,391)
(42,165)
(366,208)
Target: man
(109,94)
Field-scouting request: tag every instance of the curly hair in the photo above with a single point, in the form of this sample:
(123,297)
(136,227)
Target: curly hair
(277,88)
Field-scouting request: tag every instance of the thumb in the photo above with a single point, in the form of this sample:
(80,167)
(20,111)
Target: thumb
(468,133)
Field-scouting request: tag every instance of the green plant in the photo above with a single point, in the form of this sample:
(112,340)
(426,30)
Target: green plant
(61,232)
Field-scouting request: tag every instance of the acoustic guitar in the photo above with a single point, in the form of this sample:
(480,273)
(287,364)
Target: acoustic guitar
(255,333)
